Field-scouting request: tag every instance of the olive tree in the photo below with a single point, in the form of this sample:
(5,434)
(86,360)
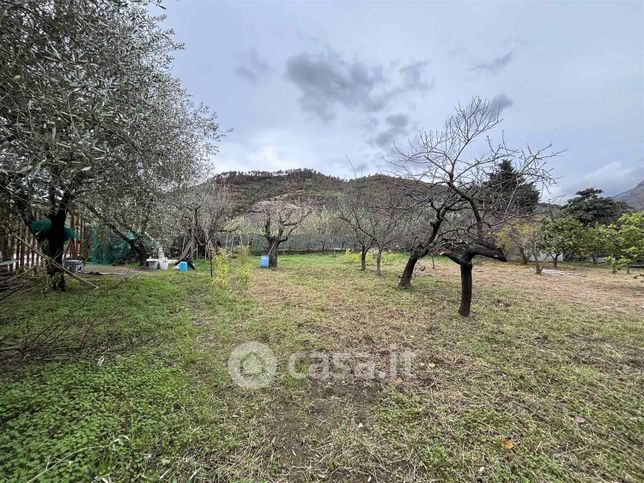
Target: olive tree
(87,111)
(174,149)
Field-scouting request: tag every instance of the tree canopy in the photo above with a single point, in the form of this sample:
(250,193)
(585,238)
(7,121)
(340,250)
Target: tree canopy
(90,114)
(589,207)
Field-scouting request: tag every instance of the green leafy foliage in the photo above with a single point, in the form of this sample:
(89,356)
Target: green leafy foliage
(628,240)
(350,257)
(244,267)
(589,208)
(561,236)
(221,270)
(598,241)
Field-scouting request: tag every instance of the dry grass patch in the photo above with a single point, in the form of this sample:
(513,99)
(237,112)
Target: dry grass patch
(538,352)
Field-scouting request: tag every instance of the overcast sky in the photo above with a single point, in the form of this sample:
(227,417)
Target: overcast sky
(312,85)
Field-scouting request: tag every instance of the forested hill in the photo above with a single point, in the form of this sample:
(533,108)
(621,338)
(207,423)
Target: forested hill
(247,188)
(299,185)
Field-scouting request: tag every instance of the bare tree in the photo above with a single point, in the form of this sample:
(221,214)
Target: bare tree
(202,212)
(325,227)
(277,219)
(444,158)
(353,212)
(430,208)
(385,222)
(377,217)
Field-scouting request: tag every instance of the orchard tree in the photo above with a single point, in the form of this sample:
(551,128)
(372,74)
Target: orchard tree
(430,209)
(628,241)
(277,219)
(352,210)
(174,147)
(598,241)
(563,236)
(84,85)
(325,227)
(447,158)
(199,213)
(523,235)
(381,215)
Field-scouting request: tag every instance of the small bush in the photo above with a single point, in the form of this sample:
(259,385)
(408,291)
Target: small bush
(221,268)
(387,257)
(350,257)
(244,267)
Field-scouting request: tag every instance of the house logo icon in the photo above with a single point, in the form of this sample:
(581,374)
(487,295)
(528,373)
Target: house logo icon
(252,365)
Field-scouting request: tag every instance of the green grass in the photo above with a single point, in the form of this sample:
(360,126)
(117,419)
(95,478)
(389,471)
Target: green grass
(148,395)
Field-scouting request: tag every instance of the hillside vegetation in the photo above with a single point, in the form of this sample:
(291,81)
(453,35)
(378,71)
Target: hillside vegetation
(305,186)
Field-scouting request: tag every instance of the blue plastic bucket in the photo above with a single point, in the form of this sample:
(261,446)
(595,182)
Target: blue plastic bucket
(183,266)
(263,261)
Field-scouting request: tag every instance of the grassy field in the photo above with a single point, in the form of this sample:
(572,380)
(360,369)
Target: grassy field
(543,382)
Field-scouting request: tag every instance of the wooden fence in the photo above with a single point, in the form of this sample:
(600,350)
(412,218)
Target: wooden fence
(15,255)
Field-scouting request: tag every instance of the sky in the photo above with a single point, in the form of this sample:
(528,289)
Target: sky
(332,85)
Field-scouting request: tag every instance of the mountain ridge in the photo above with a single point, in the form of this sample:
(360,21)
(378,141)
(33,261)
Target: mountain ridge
(633,197)
(316,188)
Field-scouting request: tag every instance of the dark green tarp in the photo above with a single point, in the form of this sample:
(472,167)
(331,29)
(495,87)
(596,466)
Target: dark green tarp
(40,228)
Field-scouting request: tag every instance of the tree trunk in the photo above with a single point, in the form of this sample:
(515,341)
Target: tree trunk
(378,258)
(408,272)
(524,256)
(466,289)
(537,267)
(56,248)
(363,258)
(142,252)
(555,259)
(272,253)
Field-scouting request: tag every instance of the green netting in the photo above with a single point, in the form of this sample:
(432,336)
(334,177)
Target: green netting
(105,247)
(40,228)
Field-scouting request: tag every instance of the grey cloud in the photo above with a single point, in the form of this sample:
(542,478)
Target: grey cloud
(501,102)
(369,124)
(398,120)
(613,177)
(414,76)
(495,65)
(327,80)
(397,127)
(252,67)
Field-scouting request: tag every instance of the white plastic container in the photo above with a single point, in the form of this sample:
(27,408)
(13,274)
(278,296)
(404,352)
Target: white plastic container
(152,264)
(163,264)
(73,265)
